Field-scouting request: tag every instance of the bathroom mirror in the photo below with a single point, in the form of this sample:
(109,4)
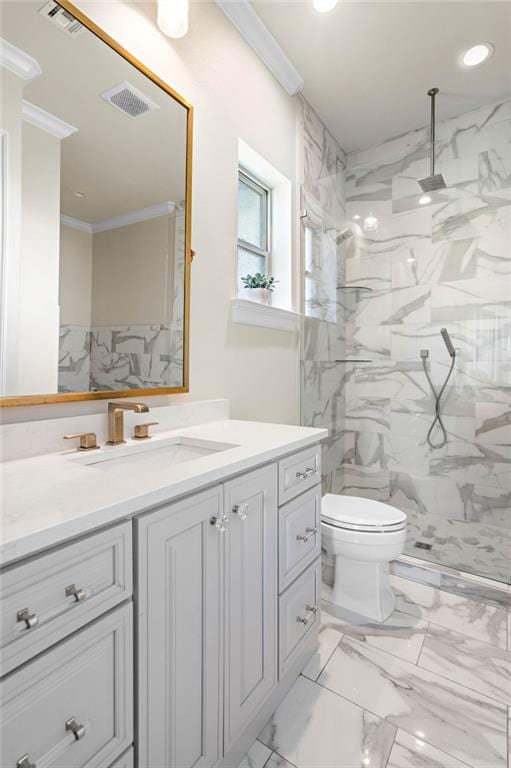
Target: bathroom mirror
(95,161)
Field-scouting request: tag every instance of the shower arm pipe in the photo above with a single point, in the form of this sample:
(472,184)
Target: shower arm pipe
(432,93)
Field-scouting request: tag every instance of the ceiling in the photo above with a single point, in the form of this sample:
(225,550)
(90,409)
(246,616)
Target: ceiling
(121,164)
(368,65)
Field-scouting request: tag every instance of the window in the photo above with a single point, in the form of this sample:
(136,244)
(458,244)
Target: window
(253,226)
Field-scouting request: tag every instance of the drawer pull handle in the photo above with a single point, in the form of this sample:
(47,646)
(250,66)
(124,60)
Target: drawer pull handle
(308,472)
(31,619)
(309,533)
(24,762)
(241,510)
(78,594)
(77,728)
(311,609)
(220,523)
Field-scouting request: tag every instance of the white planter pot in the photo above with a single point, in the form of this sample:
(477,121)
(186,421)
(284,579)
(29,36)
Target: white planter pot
(261,295)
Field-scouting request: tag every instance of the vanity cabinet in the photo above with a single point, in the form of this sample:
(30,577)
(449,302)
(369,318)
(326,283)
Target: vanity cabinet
(180,579)
(250,597)
(72,707)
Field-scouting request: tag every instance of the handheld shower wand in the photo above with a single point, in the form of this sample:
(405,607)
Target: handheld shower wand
(438,396)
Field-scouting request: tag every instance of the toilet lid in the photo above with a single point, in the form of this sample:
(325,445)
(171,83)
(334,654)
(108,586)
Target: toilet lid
(356,513)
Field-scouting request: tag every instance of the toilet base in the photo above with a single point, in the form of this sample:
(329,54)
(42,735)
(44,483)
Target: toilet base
(363,588)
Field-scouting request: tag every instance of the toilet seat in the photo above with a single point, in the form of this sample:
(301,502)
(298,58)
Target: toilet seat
(352,513)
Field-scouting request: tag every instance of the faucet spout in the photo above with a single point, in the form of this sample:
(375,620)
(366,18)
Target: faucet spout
(116,419)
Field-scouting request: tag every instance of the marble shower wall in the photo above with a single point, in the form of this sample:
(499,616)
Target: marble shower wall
(322,375)
(428,266)
(443,264)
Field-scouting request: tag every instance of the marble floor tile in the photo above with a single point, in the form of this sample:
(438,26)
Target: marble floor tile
(411,752)
(468,617)
(483,668)
(256,757)
(470,727)
(315,728)
(401,634)
(329,636)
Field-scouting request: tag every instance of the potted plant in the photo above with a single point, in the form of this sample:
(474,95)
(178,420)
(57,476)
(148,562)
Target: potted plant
(259,287)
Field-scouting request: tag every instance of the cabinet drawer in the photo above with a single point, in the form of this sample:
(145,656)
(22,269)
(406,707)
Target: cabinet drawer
(299,535)
(97,567)
(299,614)
(72,707)
(298,472)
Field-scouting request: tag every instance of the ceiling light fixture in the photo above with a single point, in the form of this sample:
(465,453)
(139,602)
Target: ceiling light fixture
(424,200)
(323,6)
(370,223)
(477,54)
(173,17)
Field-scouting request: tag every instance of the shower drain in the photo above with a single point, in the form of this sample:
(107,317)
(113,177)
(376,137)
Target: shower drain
(423,545)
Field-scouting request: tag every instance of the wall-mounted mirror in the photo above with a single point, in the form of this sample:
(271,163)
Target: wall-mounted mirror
(95,161)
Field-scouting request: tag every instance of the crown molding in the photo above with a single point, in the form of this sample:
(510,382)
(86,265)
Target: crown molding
(259,37)
(153,212)
(70,221)
(18,62)
(143,214)
(46,121)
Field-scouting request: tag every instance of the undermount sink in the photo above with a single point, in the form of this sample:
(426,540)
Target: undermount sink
(152,454)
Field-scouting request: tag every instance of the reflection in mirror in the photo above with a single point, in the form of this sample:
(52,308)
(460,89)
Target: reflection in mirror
(93,161)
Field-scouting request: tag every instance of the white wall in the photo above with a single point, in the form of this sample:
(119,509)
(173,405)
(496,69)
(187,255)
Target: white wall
(75,276)
(39,263)
(132,273)
(234,96)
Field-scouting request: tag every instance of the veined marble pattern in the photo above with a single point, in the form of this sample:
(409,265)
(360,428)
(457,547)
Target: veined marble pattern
(119,357)
(408,693)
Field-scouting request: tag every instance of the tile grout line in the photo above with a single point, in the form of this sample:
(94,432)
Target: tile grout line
(391,746)
(426,631)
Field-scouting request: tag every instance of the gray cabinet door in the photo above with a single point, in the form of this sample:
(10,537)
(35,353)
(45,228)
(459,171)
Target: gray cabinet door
(251,597)
(179,614)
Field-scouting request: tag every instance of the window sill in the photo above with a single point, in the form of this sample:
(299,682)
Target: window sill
(249,312)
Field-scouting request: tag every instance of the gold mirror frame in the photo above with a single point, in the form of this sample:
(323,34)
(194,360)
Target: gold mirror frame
(69,397)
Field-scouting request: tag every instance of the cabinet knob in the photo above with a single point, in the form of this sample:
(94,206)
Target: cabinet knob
(77,728)
(25,762)
(241,510)
(220,523)
(31,619)
(78,594)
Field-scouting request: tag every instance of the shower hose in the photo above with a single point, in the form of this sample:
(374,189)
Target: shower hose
(438,397)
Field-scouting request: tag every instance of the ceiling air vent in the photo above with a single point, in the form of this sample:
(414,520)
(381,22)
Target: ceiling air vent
(129,100)
(61,19)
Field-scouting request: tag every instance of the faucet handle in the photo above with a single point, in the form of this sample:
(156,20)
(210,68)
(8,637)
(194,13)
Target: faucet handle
(87,440)
(141,431)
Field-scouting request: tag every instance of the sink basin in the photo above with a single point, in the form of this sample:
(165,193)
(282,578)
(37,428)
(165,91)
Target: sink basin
(155,453)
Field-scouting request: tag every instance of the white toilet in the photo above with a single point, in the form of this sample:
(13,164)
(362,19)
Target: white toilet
(363,536)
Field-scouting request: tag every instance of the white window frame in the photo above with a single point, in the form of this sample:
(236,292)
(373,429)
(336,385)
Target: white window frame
(260,187)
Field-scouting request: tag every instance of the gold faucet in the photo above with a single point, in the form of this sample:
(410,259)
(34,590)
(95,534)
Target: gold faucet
(116,420)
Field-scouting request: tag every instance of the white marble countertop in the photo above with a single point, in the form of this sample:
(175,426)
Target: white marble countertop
(49,498)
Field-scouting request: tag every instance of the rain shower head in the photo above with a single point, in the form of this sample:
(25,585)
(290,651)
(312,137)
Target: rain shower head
(435,180)
(447,341)
(344,235)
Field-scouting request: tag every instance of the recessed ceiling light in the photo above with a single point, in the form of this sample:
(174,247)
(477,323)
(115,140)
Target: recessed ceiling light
(477,54)
(424,200)
(323,6)
(370,223)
